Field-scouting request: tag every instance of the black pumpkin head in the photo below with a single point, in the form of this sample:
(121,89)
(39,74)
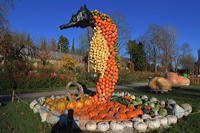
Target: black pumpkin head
(83,18)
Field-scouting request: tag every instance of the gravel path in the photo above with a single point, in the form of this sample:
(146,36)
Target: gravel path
(62,92)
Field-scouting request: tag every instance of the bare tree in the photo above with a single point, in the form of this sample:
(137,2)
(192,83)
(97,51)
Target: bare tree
(168,37)
(123,29)
(151,39)
(4,8)
(53,44)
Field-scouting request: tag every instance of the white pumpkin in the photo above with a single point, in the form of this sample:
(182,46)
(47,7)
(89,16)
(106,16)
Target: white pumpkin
(41,100)
(103,126)
(178,111)
(153,124)
(163,121)
(146,116)
(116,126)
(91,126)
(32,104)
(128,124)
(153,100)
(171,119)
(43,115)
(52,119)
(137,120)
(187,108)
(171,101)
(140,126)
(144,97)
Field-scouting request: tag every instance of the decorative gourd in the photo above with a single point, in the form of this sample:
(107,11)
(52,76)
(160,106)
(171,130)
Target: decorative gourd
(128,124)
(36,108)
(88,102)
(41,100)
(71,105)
(171,119)
(153,124)
(187,108)
(137,120)
(60,107)
(140,126)
(32,104)
(163,112)
(96,119)
(79,104)
(91,126)
(116,126)
(103,126)
(178,111)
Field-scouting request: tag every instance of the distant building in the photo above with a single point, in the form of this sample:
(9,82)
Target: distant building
(197,64)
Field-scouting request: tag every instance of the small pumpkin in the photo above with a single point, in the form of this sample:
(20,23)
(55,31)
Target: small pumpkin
(153,124)
(187,108)
(88,102)
(71,105)
(103,114)
(103,126)
(171,119)
(116,126)
(96,119)
(140,126)
(60,107)
(93,113)
(79,104)
(131,114)
(127,124)
(120,116)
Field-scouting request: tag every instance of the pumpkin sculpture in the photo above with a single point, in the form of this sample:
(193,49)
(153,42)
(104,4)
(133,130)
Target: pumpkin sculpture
(176,80)
(103,49)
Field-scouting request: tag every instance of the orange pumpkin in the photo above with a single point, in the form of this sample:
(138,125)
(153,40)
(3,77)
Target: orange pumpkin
(103,114)
(79,104)
(139,112)
(93,113)
(71,105)
(60,107)
(120,116)
(88,102)
(96,119)
(109,118)
(131,114)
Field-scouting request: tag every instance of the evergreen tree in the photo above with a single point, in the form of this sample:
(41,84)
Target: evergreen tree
(73,48)
(63,44)
(137,54)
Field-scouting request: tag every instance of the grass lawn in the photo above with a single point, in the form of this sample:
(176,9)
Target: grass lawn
(22,91)
(17,117)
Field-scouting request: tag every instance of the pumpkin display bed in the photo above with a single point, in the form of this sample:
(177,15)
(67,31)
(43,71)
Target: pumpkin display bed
(124,112)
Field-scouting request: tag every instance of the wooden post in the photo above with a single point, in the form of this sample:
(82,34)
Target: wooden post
(13,95)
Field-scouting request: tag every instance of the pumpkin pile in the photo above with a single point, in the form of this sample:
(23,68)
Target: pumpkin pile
(124,111)
(104,56)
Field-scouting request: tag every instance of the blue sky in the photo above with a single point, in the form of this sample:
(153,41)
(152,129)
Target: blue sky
(41,18)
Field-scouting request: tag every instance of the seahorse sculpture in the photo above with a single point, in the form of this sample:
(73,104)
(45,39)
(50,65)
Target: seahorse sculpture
(103,49)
